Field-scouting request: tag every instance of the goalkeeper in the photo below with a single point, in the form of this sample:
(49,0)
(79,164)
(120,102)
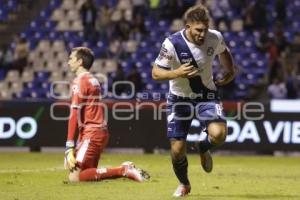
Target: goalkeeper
(87,116)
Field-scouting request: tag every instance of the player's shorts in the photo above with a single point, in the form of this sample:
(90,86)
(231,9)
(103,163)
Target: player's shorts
(90,146)
(181,111)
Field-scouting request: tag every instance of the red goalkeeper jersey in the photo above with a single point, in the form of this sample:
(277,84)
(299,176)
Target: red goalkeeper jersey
(86,105)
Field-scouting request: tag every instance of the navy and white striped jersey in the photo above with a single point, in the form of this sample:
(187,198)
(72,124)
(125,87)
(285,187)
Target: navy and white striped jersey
(204,55)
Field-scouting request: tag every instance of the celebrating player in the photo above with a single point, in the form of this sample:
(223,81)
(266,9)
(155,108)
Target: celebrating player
(186,59)
(87,116)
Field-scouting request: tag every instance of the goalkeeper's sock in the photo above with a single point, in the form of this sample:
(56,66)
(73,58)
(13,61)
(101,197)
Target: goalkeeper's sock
(180,168)
(206,145)
(97,174)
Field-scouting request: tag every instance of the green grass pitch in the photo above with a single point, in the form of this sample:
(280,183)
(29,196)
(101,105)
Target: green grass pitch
(34,176)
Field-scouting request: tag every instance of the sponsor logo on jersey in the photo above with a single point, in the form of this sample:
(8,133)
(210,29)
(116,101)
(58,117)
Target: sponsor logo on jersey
(185,57)
(187,60)
(183,54)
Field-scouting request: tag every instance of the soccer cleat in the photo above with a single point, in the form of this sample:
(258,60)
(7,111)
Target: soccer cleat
(134,173)
(206,161)
(182,190)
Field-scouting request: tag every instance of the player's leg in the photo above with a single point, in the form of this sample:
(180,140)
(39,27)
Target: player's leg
(179,118)
(88,152)
(179,160)
(180,166)
(217,132)
(127,169)
(134,173)
(87,156)
(211,113)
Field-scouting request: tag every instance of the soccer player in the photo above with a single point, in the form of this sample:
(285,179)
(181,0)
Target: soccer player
(87,115)
(185,60)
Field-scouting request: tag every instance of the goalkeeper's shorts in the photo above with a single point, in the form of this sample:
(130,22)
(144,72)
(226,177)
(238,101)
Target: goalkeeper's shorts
(90,146)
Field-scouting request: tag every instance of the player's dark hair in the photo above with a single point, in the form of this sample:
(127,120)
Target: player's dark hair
(86,55)
(197,13)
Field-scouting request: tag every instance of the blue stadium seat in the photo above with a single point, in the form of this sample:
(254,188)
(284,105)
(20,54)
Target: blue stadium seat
(12,5)
(54,4)
(3,14)
(42,76)
(2,74)
(54,35)
(26,93)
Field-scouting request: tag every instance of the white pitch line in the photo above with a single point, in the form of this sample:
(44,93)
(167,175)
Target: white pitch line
(54,169)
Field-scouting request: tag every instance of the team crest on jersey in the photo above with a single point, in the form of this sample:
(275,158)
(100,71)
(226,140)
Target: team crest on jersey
(210,51)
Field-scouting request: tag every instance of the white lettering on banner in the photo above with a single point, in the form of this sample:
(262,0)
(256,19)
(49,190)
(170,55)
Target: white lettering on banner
(249,132)
(16,127)
(290,131)
(296,133)
(33,127)
(235,131)
(10,132)
(273,134)
(286,131)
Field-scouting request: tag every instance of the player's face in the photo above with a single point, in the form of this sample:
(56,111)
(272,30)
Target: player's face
(197,31)
(73,62)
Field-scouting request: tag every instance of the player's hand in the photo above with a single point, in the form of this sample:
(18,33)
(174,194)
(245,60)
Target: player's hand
(186,71)
(70,160)
(225,80)
(193,73)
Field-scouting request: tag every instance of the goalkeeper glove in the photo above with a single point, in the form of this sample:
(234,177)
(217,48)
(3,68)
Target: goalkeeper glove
(70,160)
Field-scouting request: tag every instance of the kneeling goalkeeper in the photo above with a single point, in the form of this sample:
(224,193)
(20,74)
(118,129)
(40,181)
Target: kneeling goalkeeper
(87,116)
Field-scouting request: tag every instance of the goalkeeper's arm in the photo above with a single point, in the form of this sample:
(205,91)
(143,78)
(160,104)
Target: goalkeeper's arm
(70,161)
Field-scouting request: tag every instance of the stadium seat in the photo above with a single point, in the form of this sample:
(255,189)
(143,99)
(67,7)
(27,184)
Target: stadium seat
(27,75)
(12,75)
(3,14)
(2,74)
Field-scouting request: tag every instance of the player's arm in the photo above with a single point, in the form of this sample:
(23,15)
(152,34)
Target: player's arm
(77,100)
(230,71)
(72,127)
(70,160)
(184,71)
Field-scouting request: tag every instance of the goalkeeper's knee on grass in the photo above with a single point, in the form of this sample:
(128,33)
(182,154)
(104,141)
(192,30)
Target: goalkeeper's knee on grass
(74,175)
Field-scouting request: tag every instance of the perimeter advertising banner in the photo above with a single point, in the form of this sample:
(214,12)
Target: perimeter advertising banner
(251,125)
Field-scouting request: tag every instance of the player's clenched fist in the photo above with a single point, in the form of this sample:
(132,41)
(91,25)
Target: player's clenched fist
(186,70)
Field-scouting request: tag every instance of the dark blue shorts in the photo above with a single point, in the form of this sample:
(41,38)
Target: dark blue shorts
(181,111)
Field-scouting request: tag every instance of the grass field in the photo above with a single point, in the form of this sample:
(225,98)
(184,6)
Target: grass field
(33,176)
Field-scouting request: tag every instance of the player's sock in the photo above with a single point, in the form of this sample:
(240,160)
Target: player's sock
(180,168)
(94,174)
(206,145)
